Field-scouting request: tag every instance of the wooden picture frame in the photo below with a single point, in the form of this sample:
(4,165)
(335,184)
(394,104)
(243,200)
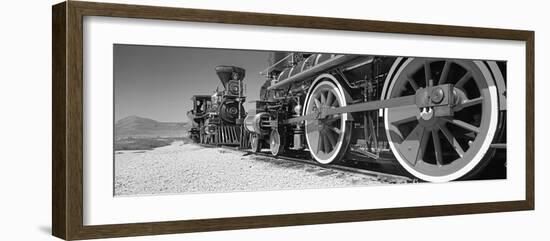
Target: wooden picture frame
(67,123)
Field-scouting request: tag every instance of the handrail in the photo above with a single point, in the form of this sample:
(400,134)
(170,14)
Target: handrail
(266,71)
(330,63)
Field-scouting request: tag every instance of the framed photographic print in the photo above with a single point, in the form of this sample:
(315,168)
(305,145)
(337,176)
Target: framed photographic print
(172,120)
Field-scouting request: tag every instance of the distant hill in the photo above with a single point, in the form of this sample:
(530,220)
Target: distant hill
(135,126)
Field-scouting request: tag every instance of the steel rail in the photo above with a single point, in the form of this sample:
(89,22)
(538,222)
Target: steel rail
(379,175)
(376,174)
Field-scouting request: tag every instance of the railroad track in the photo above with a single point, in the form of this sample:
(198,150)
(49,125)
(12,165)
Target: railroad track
(382,176)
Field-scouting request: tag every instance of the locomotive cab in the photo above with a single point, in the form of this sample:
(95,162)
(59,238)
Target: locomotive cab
(201,104)
(197,116)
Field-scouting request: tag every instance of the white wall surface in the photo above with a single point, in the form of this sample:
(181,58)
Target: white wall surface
(25,122)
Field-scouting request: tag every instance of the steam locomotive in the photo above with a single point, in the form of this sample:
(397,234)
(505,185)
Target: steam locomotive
(439,119)
(217,119)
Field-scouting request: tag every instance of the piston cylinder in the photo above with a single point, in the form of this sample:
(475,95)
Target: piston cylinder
(257,123)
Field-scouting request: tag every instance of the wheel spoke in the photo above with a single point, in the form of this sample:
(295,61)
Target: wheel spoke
(330,98)
(413,83)
(331,138)
(468,103)
(463,80)
(321,143)
(317,103)
(336,130)
(437,147)
(428,73)
(335,103)
(323,98)
(313,135)
(423,145)
(410,147)
(326,144)
(444,73)
(404,114)
(452,140)
(464,125)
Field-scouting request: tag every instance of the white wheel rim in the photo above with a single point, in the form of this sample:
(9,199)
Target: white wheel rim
(334,85)
(493,119)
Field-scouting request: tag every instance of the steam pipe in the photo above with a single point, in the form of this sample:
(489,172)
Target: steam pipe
(317,69)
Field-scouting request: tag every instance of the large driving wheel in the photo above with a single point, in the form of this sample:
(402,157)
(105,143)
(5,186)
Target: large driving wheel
(327,138)
(446,148)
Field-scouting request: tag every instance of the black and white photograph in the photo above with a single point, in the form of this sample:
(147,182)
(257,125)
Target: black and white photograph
(207,120)
(274,120)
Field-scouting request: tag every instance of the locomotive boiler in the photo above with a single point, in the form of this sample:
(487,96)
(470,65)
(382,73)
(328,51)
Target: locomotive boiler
(217,118)
(439,119)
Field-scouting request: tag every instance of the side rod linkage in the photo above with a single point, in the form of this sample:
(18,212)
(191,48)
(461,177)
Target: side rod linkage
(360,107)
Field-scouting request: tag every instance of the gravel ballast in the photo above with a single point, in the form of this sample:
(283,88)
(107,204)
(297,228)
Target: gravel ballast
(190,168)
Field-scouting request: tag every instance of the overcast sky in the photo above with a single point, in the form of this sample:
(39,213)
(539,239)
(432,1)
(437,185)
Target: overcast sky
(157,82)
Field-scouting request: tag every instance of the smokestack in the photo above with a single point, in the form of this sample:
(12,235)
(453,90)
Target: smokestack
(226,73)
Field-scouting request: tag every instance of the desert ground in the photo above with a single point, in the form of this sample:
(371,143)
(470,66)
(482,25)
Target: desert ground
(191,168)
